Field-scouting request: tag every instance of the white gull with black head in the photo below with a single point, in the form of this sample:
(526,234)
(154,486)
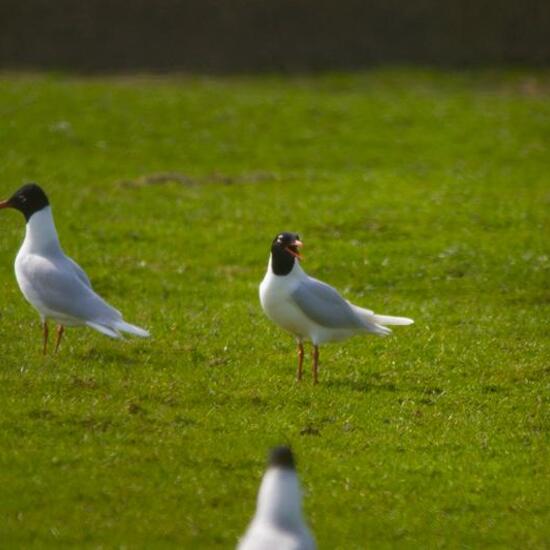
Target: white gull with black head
(310,309)
(52,282)
(278,523)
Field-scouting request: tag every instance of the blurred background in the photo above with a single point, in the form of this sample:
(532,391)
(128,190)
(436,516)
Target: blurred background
(270,35)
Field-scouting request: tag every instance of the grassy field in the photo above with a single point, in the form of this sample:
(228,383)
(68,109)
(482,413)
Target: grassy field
(416,193)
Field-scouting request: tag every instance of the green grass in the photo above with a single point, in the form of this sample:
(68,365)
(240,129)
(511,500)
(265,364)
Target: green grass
(416,193)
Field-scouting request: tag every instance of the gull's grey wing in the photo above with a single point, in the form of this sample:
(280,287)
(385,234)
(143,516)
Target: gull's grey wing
(322,304)
(55,284)
(80,273)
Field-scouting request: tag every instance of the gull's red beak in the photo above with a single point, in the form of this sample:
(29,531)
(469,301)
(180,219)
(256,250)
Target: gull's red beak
(5,204)
(293,249)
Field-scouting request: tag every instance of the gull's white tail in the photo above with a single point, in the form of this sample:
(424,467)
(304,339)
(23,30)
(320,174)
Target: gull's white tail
(375,323)
(389,320)
(131,329)
(113,329)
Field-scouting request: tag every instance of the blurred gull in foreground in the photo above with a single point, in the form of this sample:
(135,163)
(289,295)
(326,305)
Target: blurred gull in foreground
(51,281)
(311,309)
(278,522)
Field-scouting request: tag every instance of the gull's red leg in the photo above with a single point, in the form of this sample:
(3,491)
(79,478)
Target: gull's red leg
(300,360)
(60,330)
(315,364)
(45,349)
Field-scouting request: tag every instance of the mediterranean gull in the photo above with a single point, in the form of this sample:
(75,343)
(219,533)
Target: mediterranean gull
(51,281)
(311,309)
(278,522)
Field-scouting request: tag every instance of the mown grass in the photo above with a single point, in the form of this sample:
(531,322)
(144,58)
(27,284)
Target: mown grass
(416,193)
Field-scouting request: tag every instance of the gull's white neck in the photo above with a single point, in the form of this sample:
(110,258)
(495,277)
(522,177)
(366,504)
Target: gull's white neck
(280,499)
(41,236)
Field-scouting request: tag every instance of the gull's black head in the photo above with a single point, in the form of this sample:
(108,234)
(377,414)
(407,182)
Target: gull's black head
(284,252)
(281,457)
(28,199)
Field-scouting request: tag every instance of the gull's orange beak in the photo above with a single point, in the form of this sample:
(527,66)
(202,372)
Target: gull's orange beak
(5,204)
(293,249)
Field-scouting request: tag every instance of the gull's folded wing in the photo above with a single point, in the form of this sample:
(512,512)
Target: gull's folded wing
(58,286)
(322,304)
(80,273)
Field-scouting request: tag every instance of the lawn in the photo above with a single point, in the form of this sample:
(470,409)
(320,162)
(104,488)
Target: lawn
(416,193)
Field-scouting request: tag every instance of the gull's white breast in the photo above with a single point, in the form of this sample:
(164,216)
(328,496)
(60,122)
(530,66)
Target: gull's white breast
(53,283)
(32,272)
(278,304)
(276,297)
(268,537)
(278,522)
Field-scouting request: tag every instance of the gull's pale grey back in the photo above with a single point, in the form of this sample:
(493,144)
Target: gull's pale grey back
(60,285)
(322,304)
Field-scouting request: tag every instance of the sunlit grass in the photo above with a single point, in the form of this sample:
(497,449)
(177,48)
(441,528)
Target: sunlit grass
(416,193)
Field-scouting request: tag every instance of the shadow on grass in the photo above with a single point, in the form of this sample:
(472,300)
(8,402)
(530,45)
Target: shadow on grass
(120,357)
(362,386)
(365,386)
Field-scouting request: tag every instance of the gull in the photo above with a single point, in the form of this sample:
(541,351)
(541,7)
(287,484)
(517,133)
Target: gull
(55,285)
(278,522)
(310,309)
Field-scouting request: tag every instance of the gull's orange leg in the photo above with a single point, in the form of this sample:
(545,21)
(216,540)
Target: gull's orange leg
(315,364)
(45,349)
(60,330)
(300,360)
